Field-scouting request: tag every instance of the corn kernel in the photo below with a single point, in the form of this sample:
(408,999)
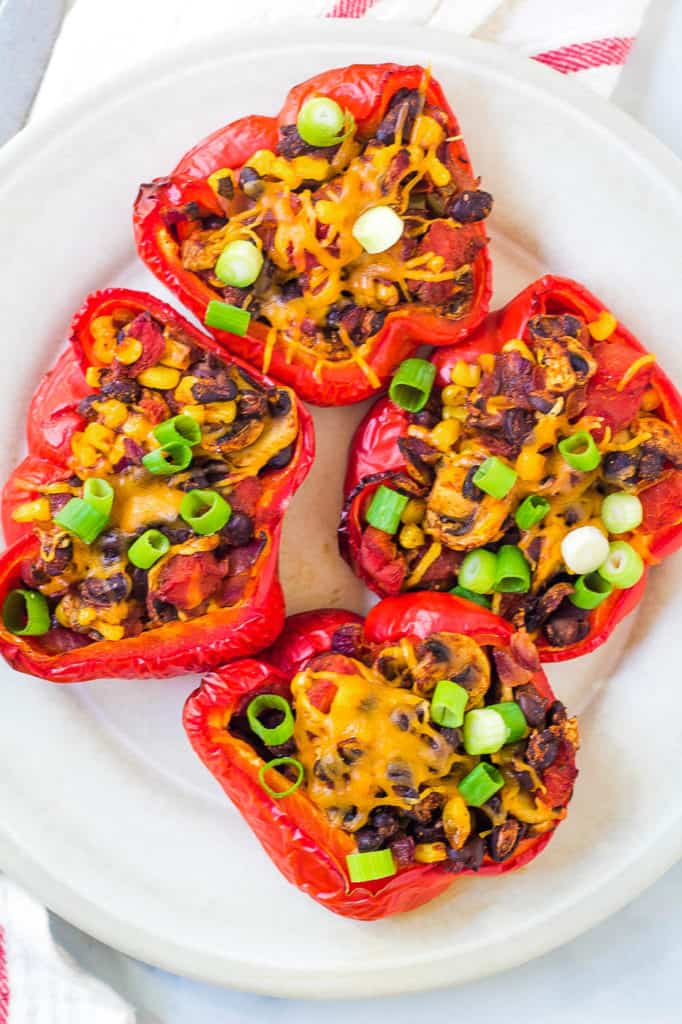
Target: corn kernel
(427,132)
(453,394)
(451,412)
(430,853)
(92,376)
(110,632)
(32,511)
(413,511)
(387,294)
(103,331)
(61,615)
(519,345)
(197,412)
(99,436)
(84,453)
(436,264)
(163,378)
(86,615)
(221,412)
(445,433)
(467,375)
(137,426)
(487,362)
(545,431)
(603,327)
(438,172)
(129,350)
(650,399)
(176,354)
(458,412)
(530,465)
(113,413)
(411,536)
(183,392)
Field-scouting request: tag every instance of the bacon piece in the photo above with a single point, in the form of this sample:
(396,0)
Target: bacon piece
(509,670)
(150,335)
(442,570)
(380,559)
(457,246)
(154,408)
(245,495)
(188,580)
(524,651)
(560,777)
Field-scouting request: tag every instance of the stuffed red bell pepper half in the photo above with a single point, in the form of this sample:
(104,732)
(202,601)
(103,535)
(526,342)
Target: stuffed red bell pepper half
(325,244)
(377,761)
(536,469)
(145,521)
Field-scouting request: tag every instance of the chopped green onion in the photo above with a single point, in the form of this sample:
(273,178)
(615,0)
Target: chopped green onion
(321,122)
(239,264)
(485,731)
(470,595)
(448,704)
(225,317)
(276,734)
(172,458)
(580,451)
(412,383)
(477,571)
(148,549)
(279,794)
(385,509)
(480,784)
(82,519)
(623,566)
(513,718)
(513,571)
(621,512)
(180,429)
(584,549)
(495,477)
(205,511)
(531,511)
(377,229)
(26,613)
(590,590)
(367,867)
(100,494)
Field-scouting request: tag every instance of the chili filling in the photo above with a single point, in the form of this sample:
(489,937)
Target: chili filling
(383,770)
(148,373)
(532,410)
(318,289)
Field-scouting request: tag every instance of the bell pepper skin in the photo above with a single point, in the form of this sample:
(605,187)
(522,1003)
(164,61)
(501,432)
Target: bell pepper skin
(174,647)
(365,90)
(293,831)
(375,455)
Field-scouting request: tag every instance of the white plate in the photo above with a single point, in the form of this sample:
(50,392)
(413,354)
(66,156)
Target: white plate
(104,812)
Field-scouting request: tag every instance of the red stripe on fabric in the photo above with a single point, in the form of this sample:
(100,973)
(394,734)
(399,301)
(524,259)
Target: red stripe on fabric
(581,56)
(4,982)
(350,8)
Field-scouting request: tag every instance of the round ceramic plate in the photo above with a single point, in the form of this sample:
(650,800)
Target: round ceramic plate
(106,814)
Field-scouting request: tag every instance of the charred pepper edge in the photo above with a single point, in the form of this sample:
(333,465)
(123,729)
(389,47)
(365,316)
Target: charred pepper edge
(230,146)
(386,421)
(291,834)
(176,647)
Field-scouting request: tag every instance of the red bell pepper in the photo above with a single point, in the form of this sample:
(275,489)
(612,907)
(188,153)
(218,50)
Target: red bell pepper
(294,832)
(365,90)
(174,647)
(375,456)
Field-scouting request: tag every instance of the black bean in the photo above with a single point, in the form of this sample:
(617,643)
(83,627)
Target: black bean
(385,821)
(556,713)
(469,207)
(402,848)
(398,771)
(429,833)
(565,628)
(104,592)
(279,403)
(469,857)
(367,839)
(453,737)
(516,425)
(539,403)
(85,407)
(620,467)
(123,389)
(239,529)
(542,749)
(524,779)
(281,459)
(406,792)
(140,584)
(112,544)
(580,365)
(532,703)
(504,839)
(251,183)
(349,750)
(291,290)
(213,222)
(217,391)
(400,719)
(176,534)
(427,808)
(409,100)
(425,418)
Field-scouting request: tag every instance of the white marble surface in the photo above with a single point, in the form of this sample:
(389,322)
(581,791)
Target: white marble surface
(627,969)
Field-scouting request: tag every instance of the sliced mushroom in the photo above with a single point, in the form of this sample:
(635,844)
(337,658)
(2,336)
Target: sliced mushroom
(274,436)
(456,657)
(458,521)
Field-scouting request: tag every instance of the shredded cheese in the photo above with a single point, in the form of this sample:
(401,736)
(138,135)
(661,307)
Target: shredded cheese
(634,369)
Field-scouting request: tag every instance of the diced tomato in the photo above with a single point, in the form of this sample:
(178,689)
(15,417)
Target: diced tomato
(560,776)
(245,495)
(662,502)
(188,580)
(457,246)
(617,408)
(379,558)
(321,693)
(154,408)
(150,335)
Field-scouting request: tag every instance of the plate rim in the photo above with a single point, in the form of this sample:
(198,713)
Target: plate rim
(594,905)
